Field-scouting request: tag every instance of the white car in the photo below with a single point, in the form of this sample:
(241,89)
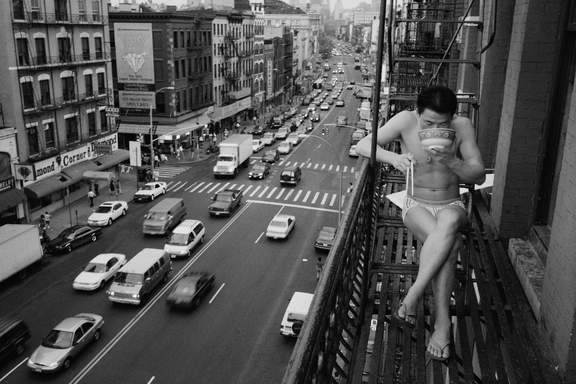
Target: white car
(107,212)
(268,138)
(282,133)
(98,271)
(294,138)
(352,151)
(280,226)
(257,145)
(284,148)
(150,191)
(324,107)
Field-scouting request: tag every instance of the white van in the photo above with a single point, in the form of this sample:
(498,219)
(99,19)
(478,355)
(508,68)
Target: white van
(295,314)
(185,237)
(136,280)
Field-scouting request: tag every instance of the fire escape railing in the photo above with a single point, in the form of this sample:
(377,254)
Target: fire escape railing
(328,342)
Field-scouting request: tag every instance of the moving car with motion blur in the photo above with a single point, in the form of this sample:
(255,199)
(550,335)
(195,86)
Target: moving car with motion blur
(107,212)
(99,271)
(280,226)
(73,237)
(189,291)
(65,342)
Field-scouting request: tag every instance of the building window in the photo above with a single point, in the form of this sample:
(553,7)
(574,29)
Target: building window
(61,10)
(178,102)
(68,92)
(98,47)
(101,84)
(177,70)
(18,9)
(85,48)
(33,145)
(103,121)
(64,50)
(22,49)
(89,85)
(160,103)
(96,11)
(175,39)
(49,137)
(27,95)
(182,40)
(72,129)
(91,117)
(40,50)
(45,95)
(82,10)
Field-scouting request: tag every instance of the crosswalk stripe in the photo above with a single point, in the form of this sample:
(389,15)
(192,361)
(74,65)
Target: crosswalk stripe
(323,166)
(205,187)
(316,166)
(254,191)
(263,191)
(213,188)
(180,187)
(315,197)
(338,168)
(352,170)
(241,187)
(279,195)
(190,187)
(172,185)
(247,189)
(197,186)
(168,184)
(330,168)
(345,169)
(306,196)
(333,199)
(233,186)
(309,165)
(271,192)
(288,194)
(303,164)
(281,162)
(223,187)
(324,198)
(297,195)
(287,163)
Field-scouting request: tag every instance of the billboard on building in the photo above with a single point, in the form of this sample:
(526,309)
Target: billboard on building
(134,53)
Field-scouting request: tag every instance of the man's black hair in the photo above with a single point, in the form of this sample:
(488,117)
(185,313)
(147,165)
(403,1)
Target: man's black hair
(437,98)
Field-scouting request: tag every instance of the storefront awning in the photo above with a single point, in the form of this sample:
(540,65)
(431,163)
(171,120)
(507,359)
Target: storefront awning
(48,185)
(162,129)
(110,160)
(99,175)
(11,198)
(76,172)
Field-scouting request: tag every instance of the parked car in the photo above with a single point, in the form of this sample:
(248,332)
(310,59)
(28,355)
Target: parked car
(65,342)
(285,147)
(268,138)
(325,238)
(257,145)
(294,138)
(315,117)
(259,170)
(190,290)
(107,212)
(283,132)
(291,175)
(258,130)
(99,271)
(14,334)
(225,202)
(72,237)
(271,156)
(150,191)
(352,151)
(324,107)
(280,226)
(339,103)
(330,101)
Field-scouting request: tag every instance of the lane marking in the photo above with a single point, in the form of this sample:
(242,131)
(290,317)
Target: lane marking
(255,190)
(280,194)
(306,196)
(303,164)
(190,187)
(315,197)
(12,370)
(330,168)
(197,186)
(216,294)
(345,169)
(247,189)
(324,198)
(263,191)
(213,188)
(173,186)
(297,195)
(333,200)
(323,166)
(271,192)
(241,187)
(151,380)
(223,187)
(288,194)
(287,163)
(338,168)
(180,187)
(352,170)
(259,237)
(293,206)
(205,188)
(153,300)
(309,165)
(316,166)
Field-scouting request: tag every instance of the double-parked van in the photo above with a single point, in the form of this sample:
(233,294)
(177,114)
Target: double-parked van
(164,216)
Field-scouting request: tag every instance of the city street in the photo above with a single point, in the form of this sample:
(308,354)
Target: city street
(233,337)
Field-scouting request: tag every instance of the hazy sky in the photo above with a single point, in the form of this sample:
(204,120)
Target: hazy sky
(346,3)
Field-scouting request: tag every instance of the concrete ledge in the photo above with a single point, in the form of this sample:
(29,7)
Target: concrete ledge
(529,269)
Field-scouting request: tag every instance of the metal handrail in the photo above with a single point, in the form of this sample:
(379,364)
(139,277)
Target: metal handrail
(41,61)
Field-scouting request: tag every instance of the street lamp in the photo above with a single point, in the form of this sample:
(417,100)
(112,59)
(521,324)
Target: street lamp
(170,88)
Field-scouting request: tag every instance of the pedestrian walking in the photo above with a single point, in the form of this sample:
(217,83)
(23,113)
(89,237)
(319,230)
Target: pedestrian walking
(47,218)
(91,196)
(319,265)
(112,187)
(118,190)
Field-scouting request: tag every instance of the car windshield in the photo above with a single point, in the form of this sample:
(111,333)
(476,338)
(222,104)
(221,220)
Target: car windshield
(58,339)
(284,145)
(221,197)
(258,168)
(103,209)
(268,135)
(128,278)
(156,216)
(178,239)
(185,288)
(95,268)
(148,188)
(225,158)
(278,223)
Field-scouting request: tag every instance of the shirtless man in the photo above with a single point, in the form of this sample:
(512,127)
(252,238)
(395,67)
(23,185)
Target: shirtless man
(432,208)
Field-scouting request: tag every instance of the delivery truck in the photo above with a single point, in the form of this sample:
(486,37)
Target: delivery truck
(234,153)
(19,248)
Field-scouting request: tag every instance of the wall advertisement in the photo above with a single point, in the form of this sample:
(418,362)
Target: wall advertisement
(134,53)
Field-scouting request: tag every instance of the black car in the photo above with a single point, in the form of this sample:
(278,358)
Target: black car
(258,130)
(14,334)
(271,156)
(73,237)
(259,170)
(190,289)
(225,202)
(291,175)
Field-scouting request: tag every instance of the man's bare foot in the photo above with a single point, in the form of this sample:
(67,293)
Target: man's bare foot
(439,345)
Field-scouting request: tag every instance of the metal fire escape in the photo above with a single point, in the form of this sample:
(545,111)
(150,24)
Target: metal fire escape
(349,335)
(231,68)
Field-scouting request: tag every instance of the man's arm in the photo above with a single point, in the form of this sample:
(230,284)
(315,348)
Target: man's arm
(387,133)
(469,168)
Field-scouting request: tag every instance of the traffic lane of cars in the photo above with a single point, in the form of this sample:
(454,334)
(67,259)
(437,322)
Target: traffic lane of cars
(236,337)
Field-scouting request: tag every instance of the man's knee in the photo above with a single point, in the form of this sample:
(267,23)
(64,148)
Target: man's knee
(450,220)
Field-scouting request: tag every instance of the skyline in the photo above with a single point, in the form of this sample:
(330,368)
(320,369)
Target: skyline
(348,4)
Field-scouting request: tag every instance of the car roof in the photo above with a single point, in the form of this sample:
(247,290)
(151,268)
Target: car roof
(290,168)
(104,257)
(186,226)
(71,323)
(284,216)
(328,229)
(110,203)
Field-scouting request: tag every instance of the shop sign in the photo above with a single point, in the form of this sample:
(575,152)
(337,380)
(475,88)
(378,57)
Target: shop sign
(56,164)
(6,184)
(134,53)
(137,99)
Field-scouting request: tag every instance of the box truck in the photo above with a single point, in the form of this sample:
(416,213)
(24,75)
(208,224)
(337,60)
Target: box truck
(234,152)
(19,248)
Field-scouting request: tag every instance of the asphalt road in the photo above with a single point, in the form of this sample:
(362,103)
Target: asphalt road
(233,337)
